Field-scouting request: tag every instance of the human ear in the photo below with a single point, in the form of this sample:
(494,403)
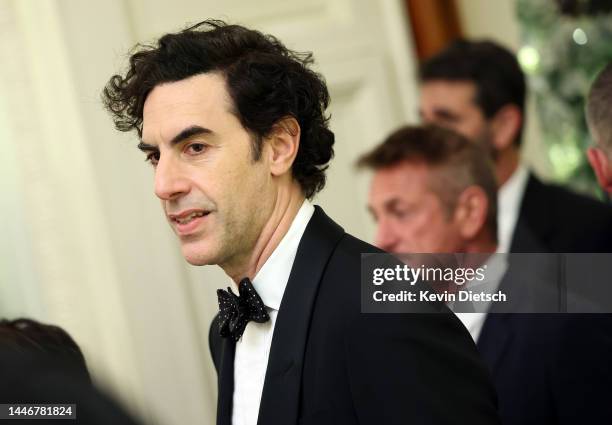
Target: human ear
(283,143)
(601,165)
(505,126)
(471,212)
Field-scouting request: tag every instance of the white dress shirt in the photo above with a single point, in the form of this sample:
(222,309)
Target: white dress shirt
(253,349)
(509,200)
(496,267)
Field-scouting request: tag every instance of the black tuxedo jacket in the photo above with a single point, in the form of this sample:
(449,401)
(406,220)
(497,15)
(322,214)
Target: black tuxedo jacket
(554,219)
(331,364)
(548,369)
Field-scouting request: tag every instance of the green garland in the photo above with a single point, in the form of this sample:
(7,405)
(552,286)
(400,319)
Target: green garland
(561,55)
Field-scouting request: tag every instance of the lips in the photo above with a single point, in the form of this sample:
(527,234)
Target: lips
(188,218)
(188,221)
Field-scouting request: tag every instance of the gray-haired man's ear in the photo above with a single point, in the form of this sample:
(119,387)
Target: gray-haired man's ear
(602,165)
(471,212)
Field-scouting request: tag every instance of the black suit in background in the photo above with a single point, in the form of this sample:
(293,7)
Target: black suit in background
(554,219)
(553,369)
(550,369)
(331,364)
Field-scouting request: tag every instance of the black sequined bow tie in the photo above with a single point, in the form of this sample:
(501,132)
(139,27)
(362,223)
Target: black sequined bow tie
(236,311)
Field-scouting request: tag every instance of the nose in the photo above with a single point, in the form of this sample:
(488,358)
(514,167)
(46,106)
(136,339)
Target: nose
(386,239)
(170,182)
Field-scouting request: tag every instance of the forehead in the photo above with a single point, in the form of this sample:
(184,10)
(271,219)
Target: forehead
(401,180)
(198,100)
(448,92)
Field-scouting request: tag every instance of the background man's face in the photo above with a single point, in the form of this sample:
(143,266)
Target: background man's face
(410,217)
(451,104)
(204,167)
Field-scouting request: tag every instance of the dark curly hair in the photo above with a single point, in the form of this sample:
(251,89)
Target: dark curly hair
(266,82)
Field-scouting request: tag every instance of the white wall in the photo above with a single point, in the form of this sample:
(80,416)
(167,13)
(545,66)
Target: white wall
(85,243)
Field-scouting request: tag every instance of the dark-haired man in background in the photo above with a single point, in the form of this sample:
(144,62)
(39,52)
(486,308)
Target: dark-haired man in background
(433,191)
(599,118)
(478,89)
(234,124)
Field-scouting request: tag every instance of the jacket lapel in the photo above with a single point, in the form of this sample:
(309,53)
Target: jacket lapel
(497,333)
(534,227)
(281,393)
(494,340)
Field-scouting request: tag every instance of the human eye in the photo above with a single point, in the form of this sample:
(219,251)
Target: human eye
(153,158)
(195,149)
(400,213)
(447,118)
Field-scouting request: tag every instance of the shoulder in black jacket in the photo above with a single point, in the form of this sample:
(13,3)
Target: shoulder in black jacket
(331,364)
(555,219)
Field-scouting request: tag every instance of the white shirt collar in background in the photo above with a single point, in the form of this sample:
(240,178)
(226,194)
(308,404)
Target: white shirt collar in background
(496,265)
(509,200)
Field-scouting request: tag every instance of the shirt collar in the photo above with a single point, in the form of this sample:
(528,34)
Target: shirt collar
(509,200)
(496,266)
(271,280)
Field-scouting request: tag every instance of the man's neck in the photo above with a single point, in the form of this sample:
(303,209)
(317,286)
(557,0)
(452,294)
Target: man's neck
(506,164)
(483,243)
(481,248)
(286,207)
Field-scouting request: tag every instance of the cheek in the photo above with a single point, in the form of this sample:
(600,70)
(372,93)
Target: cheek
(245,196)
(227,182)
(477,130)
(429,233)
(449,239)
(468,130)
(424,223)
(414,235)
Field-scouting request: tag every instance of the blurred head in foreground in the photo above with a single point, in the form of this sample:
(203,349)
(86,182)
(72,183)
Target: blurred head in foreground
(599,118)
(47,344)
(41,364)
(432,192)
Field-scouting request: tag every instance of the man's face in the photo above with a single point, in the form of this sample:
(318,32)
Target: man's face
(452,104)
(410,217)
(215,197)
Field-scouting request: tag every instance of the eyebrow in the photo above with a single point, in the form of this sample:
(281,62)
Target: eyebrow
(187,133)
(387,205)
(446,114)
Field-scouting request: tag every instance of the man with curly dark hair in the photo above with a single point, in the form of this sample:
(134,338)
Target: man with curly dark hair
(234,124)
